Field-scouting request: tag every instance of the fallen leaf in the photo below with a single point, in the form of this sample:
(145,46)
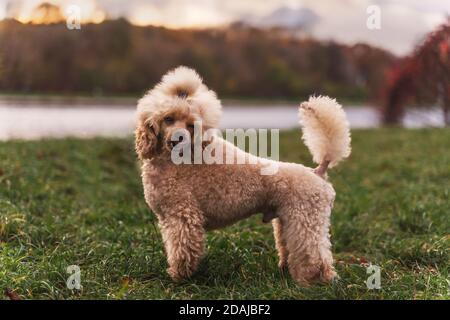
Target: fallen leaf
(363,260)
(11,294)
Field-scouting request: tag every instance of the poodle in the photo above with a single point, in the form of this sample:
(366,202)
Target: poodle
(190,199)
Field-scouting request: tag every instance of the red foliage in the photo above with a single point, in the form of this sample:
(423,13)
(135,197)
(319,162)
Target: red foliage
(424,77)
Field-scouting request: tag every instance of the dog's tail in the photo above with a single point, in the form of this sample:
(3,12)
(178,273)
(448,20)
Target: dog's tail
(325,131)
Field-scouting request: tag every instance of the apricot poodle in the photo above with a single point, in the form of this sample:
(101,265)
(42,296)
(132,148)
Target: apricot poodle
(191,198)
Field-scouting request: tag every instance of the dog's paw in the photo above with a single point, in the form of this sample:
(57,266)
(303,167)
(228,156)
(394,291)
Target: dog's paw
(282,265)
(175,275)
(328,275)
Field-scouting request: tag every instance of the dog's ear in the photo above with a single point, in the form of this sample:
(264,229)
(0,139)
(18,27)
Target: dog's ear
(146,138)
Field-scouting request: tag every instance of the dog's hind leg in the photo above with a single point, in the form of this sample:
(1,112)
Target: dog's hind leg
(184,236)
(280,243)
(306,232)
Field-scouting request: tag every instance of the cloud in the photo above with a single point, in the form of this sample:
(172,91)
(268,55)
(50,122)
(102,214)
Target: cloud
(23,9)
(2,11)
(403,23)
(402,26)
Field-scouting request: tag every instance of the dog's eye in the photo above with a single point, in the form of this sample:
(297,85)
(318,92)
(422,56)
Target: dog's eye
(169,120)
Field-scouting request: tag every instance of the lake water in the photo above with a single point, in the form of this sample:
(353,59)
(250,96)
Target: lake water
(27,119)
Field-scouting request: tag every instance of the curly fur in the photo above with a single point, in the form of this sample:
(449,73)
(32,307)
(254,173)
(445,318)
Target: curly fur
(189,199)
(177,87)
(325,130)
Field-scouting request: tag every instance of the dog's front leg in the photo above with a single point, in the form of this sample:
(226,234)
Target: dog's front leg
(280,243)
(184,236)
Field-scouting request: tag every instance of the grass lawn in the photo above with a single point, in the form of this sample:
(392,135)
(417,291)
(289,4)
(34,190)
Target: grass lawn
(80,202)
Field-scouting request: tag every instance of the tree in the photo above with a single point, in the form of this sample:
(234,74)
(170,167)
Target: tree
(423,77)
(46,13)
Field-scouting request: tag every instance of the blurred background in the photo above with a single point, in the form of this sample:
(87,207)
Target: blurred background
(58,81)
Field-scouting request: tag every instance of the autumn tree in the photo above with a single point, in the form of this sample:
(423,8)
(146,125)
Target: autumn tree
(422,78)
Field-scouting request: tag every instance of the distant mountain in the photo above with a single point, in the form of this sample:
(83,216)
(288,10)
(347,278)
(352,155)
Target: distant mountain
(285,17)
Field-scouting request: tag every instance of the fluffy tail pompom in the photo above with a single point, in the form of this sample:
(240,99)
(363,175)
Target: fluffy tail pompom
(181,82)
(325,131)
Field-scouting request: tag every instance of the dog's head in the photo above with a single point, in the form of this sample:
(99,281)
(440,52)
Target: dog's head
(171,109)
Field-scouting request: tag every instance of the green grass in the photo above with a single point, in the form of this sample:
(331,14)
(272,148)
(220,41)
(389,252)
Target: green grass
(80,202)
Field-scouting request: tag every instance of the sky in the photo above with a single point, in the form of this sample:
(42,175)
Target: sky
(402,22)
